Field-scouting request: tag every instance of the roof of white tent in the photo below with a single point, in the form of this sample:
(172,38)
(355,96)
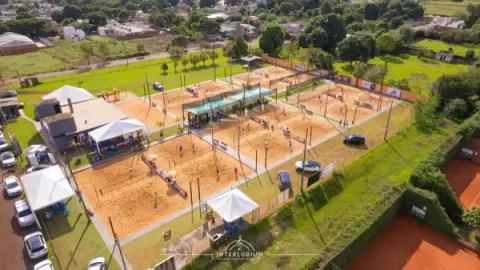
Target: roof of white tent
(116,129)
(232,205)
(66,92)
(46,187)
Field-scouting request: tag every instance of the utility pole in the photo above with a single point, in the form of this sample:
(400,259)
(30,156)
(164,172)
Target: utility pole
(380,100)
(76,185)
(326,101)
(191,200)
(148,89)
(266,151)
(199,200)
(354,115)
(304,157)
(388,121)
(115,237)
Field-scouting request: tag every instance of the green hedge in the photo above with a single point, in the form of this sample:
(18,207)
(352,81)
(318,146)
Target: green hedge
(435,217)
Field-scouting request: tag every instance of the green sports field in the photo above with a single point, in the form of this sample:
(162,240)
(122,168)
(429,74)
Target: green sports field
(437,45)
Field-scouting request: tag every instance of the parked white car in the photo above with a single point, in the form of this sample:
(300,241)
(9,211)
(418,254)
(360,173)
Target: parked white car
(35,245)
(38,168)
(12,186)
(44,265)
(24,214)
(3,144)
(97,264)
(8,159)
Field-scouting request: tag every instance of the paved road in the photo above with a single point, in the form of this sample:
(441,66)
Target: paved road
(12,254)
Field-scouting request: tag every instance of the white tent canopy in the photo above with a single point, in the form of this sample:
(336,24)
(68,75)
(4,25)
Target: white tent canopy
(232,205)
(46,187)
(116,129)
(66,92)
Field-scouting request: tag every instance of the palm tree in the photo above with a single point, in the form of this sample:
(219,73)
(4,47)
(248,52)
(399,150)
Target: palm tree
(292,50)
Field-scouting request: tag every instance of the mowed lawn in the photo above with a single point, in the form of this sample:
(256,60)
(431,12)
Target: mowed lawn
(132,78)
(144,251)
(403,66)
(437,45)
(307,228)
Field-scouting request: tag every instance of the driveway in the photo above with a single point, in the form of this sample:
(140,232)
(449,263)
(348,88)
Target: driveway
(13,255)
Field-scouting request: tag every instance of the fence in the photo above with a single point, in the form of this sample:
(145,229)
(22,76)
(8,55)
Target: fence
(266,209)
(283,63)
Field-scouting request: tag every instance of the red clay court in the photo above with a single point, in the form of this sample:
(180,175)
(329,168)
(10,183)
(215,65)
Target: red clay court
(408,245)
(464,178)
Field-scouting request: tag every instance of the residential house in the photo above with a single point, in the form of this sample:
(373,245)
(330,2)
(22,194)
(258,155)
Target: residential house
(127,30)
(12,43)
(445,56)
(294,29)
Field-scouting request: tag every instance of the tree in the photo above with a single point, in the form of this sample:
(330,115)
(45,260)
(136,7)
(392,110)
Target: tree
(175,55)
(123,16)
(212,54)
(470,55)
(424,115)
(194,60)
(355,27)
(132,6)
(72,11)
(97,18)
(286,7)
(207,3)
(360,70)
(140,48)
(292,50)
(203,57)
(318,38)
(67,21)
(184,62)
(164,68)
(376,74)
(407,33)
(371,11)
(456,109)
(86,27)
(87,50)
(208,26)
(326,7)
(58,16)
(198,37)
(173,3)
(396,22)
(236,48)
(180,41)
(24,15)
(472,217)
(350,49)
(104,50)
(272,38)
(333,25)
(386,43)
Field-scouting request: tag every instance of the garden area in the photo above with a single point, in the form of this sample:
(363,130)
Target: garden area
(445,8)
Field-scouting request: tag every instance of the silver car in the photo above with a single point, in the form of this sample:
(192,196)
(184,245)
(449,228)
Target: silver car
(44,265)
(3,144)
(35,245)
(97,264)
(24,215)
(8,159)
(12,186)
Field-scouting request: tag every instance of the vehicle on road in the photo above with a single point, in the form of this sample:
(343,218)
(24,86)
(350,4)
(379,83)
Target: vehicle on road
(38,168)
(44,265)
(8,94)
(3,144)
(24,214)
(97,264)
(354,139)
(12,186)
(157,86)
(284,179)
(35,245)
(8,159)
(310,166)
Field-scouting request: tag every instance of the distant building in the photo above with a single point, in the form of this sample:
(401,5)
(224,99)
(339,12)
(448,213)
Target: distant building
(71,33)
(239,30)
(142,17)
(12,43)
(294,29)
(214,16)
(128,30)
(445,56)
(9,109)
(442,24)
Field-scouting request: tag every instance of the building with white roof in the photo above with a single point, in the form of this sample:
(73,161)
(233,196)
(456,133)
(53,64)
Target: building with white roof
(13,43)
(115,29)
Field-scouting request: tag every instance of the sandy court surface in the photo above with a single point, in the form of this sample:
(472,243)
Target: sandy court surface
(128,198)
(317,99)
(253,135)
(264,75)
(126,96)
(140,109)
(464,178)
(408,245)
(174,99)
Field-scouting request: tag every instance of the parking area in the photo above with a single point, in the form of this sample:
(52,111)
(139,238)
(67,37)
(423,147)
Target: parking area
(12,252)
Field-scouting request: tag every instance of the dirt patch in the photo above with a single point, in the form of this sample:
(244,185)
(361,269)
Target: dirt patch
(128,197)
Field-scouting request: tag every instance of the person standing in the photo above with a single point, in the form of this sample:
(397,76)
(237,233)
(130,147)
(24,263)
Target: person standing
(181,149)
(236,173)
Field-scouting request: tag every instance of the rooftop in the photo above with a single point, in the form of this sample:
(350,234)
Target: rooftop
(58,117)
(46,101)
(7,102)
(94,113)
(9,39)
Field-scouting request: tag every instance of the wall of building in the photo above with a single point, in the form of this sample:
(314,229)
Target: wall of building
(62,126)
(45,110)
(19,49)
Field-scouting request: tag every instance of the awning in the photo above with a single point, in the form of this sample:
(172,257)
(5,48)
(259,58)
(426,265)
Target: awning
(46,187)
(116,129)
(207,107)
(250,94)
(232,205)
(250,58)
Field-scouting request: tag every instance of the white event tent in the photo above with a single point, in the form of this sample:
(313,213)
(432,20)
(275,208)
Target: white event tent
(66,92)
(116,129)
(232,205)
(46,187)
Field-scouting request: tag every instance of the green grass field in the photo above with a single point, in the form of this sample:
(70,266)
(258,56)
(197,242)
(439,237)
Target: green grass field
(308,228)
(438,45)
(403,66)
(444,8)
(63,56)
(143,252)
(129,78)
(25,132)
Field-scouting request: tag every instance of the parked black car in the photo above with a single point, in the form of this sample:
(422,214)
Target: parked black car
(284,179)
(354,139)
(157,86)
